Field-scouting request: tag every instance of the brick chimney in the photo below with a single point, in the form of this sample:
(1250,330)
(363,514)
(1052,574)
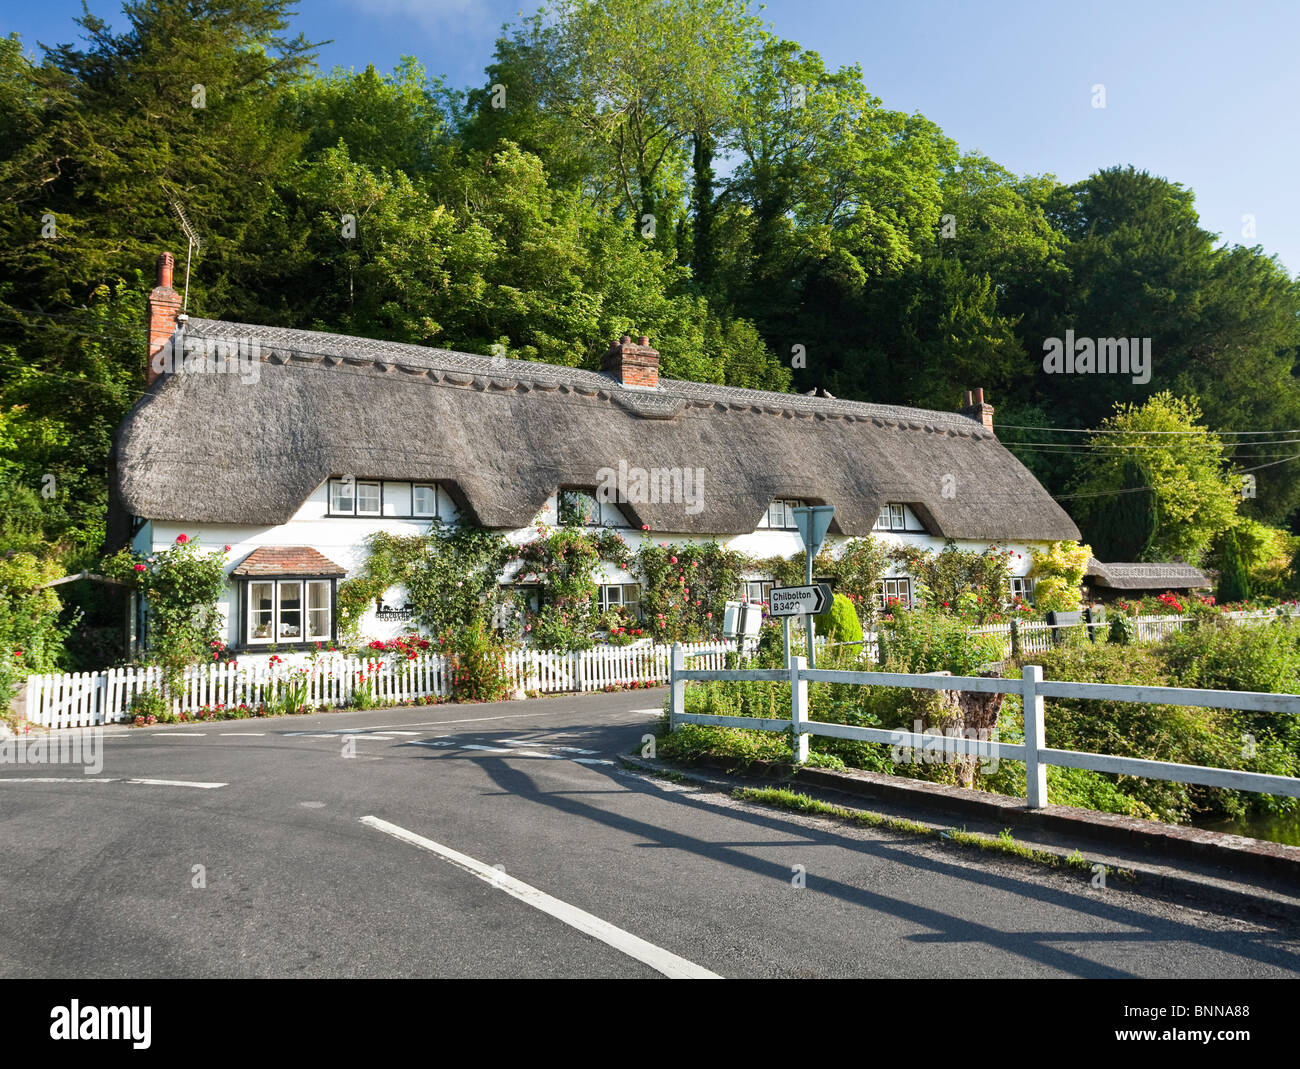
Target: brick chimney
(977,409)
(633,363)
(164,305)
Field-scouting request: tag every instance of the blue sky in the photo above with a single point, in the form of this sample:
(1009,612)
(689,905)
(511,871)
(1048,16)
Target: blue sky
(1199,92)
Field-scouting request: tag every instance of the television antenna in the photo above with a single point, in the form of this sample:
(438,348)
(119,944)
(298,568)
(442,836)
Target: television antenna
(194,244)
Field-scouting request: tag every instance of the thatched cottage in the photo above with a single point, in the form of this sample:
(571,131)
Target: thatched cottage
(293,446)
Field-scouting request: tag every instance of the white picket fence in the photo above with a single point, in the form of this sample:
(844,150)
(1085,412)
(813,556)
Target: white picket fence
(85,699)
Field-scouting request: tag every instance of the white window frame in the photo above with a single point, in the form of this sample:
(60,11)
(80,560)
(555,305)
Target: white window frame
(606,602)
(902,591)
(304,611)
(1025,591)
(787,518)
(433,489)
(378,487)
(893,517)
(764,590)
(341,484)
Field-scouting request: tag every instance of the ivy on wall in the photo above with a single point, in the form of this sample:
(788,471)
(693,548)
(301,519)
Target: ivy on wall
(685,588)
(959,580)
(450,576)
(563,563)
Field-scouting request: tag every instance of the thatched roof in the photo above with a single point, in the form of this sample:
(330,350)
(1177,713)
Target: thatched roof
(1125,576)
(504,434)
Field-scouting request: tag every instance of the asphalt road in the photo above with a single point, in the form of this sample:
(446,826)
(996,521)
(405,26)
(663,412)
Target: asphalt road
(507,841)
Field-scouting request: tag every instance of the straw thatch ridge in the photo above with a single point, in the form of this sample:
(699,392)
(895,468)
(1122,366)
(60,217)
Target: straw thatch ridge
(504,434)
(1140,576)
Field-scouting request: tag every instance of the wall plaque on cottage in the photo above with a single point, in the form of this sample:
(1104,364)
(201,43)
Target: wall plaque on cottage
(385,611)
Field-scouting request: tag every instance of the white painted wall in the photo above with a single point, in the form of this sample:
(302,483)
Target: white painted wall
(343,540)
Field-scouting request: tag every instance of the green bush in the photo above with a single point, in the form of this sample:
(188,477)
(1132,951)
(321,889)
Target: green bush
(477,664)
(840,622)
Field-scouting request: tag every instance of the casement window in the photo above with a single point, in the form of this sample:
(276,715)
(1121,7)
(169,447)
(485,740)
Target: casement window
(403,500)
(759,590)
(289,611)
(370,499)
(780,515)
(893,517)
(1022,587)
(894,592)
(424,500)
(624,595)
(343,500)
(578,509)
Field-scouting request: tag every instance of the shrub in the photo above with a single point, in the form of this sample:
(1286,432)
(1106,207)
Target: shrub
(477,664)
(840,623)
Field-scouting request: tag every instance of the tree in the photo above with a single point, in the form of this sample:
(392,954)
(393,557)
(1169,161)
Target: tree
(1234,585)
(1196,494)
(1122,525)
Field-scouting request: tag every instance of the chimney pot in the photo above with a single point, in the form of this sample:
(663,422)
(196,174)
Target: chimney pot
(166,265)
(978,409)
(631,363)
(161,310)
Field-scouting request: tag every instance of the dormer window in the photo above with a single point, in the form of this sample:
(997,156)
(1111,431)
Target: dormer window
(896,516)
(579,509)
(389,498)
(780,515)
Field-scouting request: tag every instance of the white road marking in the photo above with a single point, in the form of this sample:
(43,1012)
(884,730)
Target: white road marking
(548,745)
(59,779)
(656,709)
(535,753)
(659,959)
(176,783)
(242,734)
(591,761)
(179,734)
(312,805)
(487,749)
(402,732)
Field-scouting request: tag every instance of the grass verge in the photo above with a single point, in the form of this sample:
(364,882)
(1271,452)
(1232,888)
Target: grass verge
(1003,843)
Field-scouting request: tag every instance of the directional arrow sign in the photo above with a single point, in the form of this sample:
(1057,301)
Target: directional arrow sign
(796,600)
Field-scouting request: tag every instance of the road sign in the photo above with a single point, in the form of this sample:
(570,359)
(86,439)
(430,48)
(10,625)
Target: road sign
(797,600)
(812,524)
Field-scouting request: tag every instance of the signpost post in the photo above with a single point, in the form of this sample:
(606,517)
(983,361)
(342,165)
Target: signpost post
(812,524)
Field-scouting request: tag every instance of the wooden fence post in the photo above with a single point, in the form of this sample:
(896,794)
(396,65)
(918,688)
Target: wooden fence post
(677,686)
(799,709)
(1035,736)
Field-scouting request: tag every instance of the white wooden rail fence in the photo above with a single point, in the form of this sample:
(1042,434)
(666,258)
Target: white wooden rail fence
(1033,751)
(85,699)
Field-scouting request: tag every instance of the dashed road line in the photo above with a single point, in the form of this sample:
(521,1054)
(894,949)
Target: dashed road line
(178,734)
(177,783)
(243,734)
(661,960)
(58,779)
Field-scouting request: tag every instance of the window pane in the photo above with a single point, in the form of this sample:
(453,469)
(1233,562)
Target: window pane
(291,610)
(261,602)
(898,520)
(318,611)
(426,501)
(632,599)
(368,498)
(776,514)
(883,522)
(341,497)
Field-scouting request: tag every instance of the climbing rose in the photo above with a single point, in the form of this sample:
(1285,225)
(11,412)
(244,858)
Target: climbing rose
(182,538)
(139,567)
(226,549)
(672,560)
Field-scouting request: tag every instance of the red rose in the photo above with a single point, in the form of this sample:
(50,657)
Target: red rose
(182,538)
(139,567)
(227,549)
